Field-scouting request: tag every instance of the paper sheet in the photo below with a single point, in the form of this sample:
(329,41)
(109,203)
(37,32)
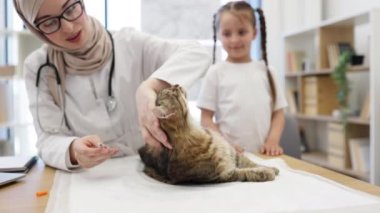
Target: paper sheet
(119,185)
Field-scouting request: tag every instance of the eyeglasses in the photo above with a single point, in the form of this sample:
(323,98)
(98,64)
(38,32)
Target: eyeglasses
(53,24)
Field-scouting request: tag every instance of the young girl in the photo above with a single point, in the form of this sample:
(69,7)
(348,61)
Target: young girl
(240,92)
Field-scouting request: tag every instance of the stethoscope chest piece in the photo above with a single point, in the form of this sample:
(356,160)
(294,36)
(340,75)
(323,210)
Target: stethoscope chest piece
(111,104)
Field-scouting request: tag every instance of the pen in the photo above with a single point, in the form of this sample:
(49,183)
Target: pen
(41,193)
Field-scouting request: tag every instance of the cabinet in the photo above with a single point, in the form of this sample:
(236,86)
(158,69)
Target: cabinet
(311,92)
(17,134)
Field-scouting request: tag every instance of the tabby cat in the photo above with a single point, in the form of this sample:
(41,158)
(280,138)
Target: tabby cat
(198,155)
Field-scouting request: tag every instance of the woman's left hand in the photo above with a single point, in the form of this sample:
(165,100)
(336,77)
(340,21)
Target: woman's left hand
(271,148)
(145,102)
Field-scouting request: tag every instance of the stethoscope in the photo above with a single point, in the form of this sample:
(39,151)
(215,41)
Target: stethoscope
(111,102)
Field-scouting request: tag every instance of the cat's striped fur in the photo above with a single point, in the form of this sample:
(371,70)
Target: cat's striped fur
(198,155)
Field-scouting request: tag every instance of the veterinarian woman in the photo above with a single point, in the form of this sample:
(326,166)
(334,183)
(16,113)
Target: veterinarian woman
(91,92)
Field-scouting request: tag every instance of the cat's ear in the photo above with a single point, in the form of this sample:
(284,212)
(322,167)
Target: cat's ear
(162,112)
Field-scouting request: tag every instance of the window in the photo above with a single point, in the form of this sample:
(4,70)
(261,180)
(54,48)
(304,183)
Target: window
(96,8)
(256,51)
(115,14)
(123,14)
(2,29)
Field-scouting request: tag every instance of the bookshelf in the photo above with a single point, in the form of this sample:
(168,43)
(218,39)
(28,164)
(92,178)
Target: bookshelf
(312,92)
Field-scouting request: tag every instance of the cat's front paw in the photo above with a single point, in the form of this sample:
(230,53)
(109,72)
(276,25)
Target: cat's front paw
(266,175)
(276,171)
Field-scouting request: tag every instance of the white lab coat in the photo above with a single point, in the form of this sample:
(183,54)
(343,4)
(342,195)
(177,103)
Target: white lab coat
(138,56)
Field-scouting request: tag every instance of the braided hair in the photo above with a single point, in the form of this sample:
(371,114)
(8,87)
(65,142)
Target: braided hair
(236,8)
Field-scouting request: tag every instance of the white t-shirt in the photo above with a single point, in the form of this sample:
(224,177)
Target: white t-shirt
(239,94)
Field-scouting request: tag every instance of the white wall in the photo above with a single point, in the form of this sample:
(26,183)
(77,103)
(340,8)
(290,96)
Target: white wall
(274,23)
(180,19)
(286,16)
(337,8)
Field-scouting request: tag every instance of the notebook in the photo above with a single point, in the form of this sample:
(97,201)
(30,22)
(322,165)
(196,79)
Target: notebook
(6,177)
(17,163)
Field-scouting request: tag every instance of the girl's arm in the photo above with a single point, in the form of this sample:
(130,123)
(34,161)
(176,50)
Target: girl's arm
(272,143)
(206,120)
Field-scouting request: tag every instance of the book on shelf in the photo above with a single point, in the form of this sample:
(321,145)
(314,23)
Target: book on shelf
(365,112)
(337,150)
(335,50)
(318,95)
(339,145)
(291,97)
(295,61)
(333,55)
(359,151)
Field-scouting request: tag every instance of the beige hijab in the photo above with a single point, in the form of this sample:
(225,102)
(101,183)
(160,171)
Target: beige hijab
(84,61)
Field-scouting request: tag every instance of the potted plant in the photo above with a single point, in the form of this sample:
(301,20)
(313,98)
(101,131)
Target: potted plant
(340,78)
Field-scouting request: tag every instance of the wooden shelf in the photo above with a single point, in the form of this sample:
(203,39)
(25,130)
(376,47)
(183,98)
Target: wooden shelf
(326,118)
(311,91)
(326,72)
(320,159)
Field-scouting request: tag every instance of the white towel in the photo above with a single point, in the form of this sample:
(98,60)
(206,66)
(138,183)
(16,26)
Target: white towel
(119,185)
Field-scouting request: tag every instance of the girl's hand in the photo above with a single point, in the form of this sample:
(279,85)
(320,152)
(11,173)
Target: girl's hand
(271,148)
(272,144)
(145,102)
(89,151)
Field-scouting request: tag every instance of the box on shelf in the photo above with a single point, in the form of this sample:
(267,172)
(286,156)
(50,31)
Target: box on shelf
(296,61)
(365,112)
(338,149)
(359,152)
(319,95)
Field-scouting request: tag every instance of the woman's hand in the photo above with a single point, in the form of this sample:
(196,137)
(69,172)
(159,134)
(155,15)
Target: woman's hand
(89,151)
(145,102)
